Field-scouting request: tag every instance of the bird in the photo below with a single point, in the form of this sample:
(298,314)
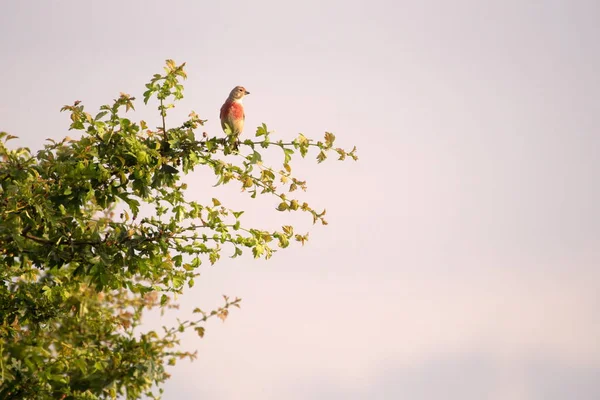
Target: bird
(232,112)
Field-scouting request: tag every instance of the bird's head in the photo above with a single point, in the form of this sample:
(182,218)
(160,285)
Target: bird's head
(238,93)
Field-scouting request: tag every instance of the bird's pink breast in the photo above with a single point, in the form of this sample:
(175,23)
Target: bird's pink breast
(232,110)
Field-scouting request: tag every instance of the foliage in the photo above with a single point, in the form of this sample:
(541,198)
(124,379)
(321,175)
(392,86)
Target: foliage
(95,230)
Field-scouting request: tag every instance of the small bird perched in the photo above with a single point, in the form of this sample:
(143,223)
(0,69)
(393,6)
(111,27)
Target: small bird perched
(232,112)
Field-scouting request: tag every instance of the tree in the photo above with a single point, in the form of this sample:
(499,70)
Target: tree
(95,230)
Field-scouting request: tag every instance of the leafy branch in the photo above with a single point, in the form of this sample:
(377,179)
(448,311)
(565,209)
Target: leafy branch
(95,230)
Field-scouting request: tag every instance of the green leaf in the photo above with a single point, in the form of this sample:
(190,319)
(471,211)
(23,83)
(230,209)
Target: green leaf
(100,115)
(256,157)
(200,331)
(237,252)
(261,130)
(321,157)
(237,214)
(169,169)
(258,250)
(287,155)
(329,139)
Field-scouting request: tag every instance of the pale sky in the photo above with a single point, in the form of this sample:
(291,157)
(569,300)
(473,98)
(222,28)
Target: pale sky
(462,256)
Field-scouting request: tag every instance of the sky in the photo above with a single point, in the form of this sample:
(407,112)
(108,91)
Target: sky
(461,259)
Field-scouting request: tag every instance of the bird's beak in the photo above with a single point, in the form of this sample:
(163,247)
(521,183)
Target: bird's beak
(247,92)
